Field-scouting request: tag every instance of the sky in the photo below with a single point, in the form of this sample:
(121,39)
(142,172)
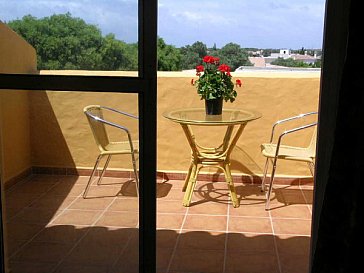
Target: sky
(289,24)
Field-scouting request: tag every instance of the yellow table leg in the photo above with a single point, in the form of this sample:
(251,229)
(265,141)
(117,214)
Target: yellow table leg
(187,179)
(190,186)
(231,187)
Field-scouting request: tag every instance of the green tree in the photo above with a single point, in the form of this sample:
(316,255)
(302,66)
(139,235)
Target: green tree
(169,57)
(65,42)
(234,56)
(289,62)
(192,55)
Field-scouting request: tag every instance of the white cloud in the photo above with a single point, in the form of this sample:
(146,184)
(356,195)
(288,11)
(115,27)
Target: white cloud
(260,23)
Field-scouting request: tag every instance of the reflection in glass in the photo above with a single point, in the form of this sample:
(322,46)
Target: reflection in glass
(82,35)
(49,226)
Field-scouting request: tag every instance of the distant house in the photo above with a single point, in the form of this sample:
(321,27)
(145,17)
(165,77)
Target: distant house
(257,61)
(285,54)
(308,59)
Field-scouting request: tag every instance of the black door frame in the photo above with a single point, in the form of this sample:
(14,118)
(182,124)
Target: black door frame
(145,85)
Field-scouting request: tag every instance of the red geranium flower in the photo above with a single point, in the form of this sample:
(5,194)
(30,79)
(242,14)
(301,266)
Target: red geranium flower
(211,60)
(224,68)
(200,68)
(238,83)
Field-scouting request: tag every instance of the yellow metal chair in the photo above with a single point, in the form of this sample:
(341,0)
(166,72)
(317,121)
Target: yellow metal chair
(95,117)
(274,151)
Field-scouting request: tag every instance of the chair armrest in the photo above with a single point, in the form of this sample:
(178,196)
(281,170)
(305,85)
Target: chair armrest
(119,112)
(289,119)
(292,131)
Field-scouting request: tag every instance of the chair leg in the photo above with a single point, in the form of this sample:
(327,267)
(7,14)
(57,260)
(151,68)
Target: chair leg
(104,169)
(271,184)
(135,173)
(265,174)
(91,176)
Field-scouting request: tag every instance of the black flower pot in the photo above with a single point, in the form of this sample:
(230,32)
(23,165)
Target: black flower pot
(214,106)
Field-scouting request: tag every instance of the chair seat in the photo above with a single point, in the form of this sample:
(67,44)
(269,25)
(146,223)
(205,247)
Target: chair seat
(122,147)
(287,152)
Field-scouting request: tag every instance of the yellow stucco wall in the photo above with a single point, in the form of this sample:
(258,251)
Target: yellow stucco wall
(61,136)
(16,56)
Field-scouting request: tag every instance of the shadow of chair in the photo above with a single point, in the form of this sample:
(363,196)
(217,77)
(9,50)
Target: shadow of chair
(95,117)
(276,150)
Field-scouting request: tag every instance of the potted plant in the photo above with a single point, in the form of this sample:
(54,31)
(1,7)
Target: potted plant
(214,84)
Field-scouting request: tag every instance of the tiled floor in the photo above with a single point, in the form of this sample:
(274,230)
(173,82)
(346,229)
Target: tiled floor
(51,228)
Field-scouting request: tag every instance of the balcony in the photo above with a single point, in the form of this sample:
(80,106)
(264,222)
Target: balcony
(48,152)
(51,228)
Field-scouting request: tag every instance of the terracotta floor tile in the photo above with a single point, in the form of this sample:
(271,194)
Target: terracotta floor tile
(292,226)
(112,245)
(250,243)
(176,184)
(82,268)
(66,189)
(66,234)
(251,208)
(118,219)
(202,240)
(20,201)
(77,217)
(294,263)
(13,245)
(293,253)
(36,215)
(19,231)
(163,257)
(125,204)
(173,194)
(208,208)
(308,194)
(166,238)
(170,206)
(250,224)
(252,263)
(40,252)
(289,195)
(291,211)
(169,221)
(196,260)
(32,188)
(204,222)
(31,267)
(104,191)
(53,202)
(128,261)
(91,203)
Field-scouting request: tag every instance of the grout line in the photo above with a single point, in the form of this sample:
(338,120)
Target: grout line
(37,233)
(275,243)
(36,199)
(307,204)
(177,241)
(84,235)
(226,237)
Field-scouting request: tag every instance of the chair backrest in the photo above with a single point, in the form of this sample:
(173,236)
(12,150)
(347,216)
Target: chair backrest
(94,116)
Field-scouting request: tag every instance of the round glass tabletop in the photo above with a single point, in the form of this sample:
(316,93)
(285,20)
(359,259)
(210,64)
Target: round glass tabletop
(197,116)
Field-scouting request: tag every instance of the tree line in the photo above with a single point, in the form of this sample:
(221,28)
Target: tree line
(65,42)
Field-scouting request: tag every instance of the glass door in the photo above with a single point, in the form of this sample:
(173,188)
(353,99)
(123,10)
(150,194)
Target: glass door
(52,99)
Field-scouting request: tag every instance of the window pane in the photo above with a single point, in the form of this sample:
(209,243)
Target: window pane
(69,35)
(49,226)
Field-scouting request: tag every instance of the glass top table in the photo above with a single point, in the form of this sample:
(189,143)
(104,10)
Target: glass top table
(211,156)
(197,116)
